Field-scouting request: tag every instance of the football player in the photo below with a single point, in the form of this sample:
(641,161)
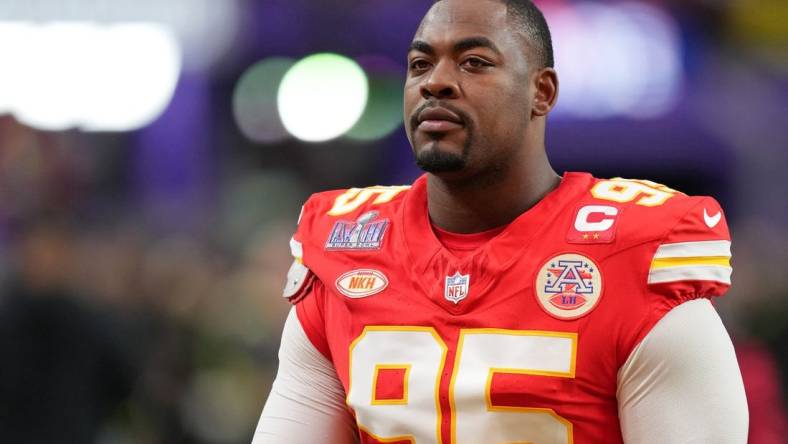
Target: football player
(494,301)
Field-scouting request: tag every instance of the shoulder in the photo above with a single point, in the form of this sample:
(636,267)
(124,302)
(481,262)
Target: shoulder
(683,241)
(342,214)
(352,201)
(663,248)
(647,211)
(352,221)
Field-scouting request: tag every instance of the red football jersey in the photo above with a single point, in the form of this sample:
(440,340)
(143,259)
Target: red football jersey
(520,341)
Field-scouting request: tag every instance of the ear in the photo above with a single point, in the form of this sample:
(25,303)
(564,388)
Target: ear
(546,82)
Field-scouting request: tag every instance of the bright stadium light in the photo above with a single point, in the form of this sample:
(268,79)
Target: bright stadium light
(206,29)
(322,96)
(98,78)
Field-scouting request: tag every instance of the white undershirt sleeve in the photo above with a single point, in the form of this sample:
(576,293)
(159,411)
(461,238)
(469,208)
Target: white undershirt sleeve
(307,400)
(682,384)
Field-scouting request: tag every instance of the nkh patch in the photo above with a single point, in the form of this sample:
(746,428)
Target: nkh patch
(361,283)
(366,233)
(456,287)
(568,286)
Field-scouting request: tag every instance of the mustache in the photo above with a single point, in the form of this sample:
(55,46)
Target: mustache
(414,117)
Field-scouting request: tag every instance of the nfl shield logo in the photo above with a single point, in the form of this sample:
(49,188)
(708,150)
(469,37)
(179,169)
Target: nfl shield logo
(457,287)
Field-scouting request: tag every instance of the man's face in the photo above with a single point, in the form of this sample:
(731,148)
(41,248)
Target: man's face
(467,93)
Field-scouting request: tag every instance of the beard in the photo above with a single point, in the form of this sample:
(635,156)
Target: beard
(432,158)
(435,160)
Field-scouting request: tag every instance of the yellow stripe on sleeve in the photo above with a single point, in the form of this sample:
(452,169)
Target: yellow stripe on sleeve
(722,261)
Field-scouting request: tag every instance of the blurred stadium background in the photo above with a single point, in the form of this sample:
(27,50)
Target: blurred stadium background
(154,156)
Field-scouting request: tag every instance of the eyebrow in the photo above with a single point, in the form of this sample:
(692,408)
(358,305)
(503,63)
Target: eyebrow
(421,46)
(462,45)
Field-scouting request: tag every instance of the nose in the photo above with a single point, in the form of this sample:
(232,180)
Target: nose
(441,83)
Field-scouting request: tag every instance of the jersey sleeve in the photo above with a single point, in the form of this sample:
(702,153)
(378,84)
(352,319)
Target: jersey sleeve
(299,276)
(689,260)
(692,260)
(303,289)
(310,313)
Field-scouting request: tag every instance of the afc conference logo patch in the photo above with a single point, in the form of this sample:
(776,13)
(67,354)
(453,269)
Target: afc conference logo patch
(366,233)
(456,287)
(568,286)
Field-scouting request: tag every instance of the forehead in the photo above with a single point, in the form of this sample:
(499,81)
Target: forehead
(450,20)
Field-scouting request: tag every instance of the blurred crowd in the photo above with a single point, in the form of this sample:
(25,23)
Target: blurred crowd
(139,304)
(114,332)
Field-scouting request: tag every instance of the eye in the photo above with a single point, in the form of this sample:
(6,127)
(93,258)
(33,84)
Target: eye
(419,65)
(476,63)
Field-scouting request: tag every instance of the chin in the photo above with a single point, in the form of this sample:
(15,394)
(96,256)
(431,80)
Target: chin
(437,158)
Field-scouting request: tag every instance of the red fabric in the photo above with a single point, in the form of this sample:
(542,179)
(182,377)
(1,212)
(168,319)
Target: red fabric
(390,384)
(462,245)
(502,268)
(310,314)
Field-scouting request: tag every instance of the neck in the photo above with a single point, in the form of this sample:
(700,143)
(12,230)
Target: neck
(491,200)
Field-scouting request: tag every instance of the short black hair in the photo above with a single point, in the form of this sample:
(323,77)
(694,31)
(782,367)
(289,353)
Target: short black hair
(529,18)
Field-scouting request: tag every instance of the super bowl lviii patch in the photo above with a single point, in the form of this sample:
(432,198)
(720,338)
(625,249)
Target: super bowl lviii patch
(568,286)
(366,233)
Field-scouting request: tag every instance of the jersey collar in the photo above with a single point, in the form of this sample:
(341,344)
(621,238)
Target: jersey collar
(429,262)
